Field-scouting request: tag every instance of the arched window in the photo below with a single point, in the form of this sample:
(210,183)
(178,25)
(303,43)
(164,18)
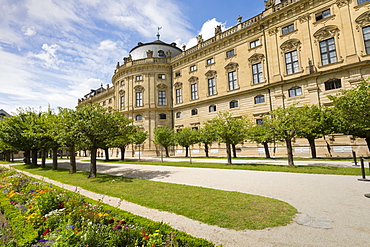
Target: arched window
(161,53)
(295,91)
(178,114)
(333,84)
(233,104)
(139,117)
(212,108)
(259,99)
(194,112)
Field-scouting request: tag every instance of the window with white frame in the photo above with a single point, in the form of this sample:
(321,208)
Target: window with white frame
(161,97)
(211,86)
(178,96)
(194,91)
(291,62)
(257,73)
(233,83)
(122,102)
(366,34)
(328,51)
(254,43)
(139,98)
(233,104)
(212,108)
(295,91)
(259,99)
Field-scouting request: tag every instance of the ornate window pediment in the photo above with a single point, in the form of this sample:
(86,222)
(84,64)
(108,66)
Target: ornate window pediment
(326,32)
(256,58)
(177,85)
(211,73)
(193,79)
(139,88)
(122,92)
(290,45)
(364,19)
(231,66)
(161,86)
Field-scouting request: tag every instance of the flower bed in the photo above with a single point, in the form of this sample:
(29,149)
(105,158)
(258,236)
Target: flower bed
(43,215)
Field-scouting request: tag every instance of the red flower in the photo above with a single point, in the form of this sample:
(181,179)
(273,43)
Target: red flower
(46,231)
(111,221)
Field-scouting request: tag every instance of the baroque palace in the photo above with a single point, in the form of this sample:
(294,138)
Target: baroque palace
(295,51)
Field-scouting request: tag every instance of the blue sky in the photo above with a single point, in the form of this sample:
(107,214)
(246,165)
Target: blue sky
(53,52)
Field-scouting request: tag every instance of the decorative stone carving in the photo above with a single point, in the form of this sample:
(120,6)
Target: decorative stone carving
(122,92)
(161,86)
(269,4)
(193,79)
(304,18)
(256,58)
(149,53)
(231,66)
(139,88)
(239,19)
(364,19)
(211,73)
(273,31)
(200,39)
(218,29)
(342,3)
(290,45)
(326,32)
(168,54)
(177,85)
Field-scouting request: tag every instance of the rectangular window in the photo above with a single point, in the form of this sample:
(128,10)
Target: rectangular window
(295,91)
(328,52)
(291,62)
(178,95)
(139,99)
(257,73)
(254,43)
(230,53)
(194,91)
(259,121)
(212,108)
(366,33)
(178,114)
(211,86)
(122,102)
(193,68)
(177,74)
(210,61)
(259,99)
(161,97)
(234,104)
(322,15)
(139,77)
(233,83)
(122,83)
(288,29)
(161,76)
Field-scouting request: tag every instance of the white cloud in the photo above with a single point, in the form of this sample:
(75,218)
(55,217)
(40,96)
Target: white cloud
(107,45)
(29,31)
(207,31)
(47,56)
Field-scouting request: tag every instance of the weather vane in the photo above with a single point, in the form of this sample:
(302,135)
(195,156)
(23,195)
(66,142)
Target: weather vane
(158,35)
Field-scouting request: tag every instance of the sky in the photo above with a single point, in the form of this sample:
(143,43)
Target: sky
(54,52)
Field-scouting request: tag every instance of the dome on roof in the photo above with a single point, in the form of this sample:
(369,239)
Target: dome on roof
(157,49)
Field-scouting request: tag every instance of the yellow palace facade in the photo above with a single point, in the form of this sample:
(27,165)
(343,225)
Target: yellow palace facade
(294,52)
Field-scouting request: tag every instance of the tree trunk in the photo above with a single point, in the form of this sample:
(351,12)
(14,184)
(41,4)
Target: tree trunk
(267,150)
(7,155)
(72,159)
(311,141)
(106,152)
(289,148)
(234,150)
(43,158)
(27,157)
(367,139)
(228,151)
(186,152)
(167,153)
(55,159)
(34,157)
(93,163)
(206,150)
(123,150)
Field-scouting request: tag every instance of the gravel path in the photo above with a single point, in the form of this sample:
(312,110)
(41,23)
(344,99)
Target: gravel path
(334,210)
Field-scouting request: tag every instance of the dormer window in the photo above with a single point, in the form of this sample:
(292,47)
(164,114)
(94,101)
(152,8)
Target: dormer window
(161,53)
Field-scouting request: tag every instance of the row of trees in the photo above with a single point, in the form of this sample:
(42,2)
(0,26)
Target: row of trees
(350,115)
(87,128)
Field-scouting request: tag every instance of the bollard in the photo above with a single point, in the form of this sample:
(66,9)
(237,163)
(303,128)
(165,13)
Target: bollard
(363,171)
(354,157)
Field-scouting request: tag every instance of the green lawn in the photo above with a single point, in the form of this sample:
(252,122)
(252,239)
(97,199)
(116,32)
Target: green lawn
(355,171)
(226,209)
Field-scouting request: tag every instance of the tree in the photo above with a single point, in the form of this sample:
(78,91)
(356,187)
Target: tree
(98,126)
(286,123)
(124,139)
(186,137)
(207,137)
(165,137)
(139,137)
(262,133)
(317,124)
(351,108)
(227,129)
